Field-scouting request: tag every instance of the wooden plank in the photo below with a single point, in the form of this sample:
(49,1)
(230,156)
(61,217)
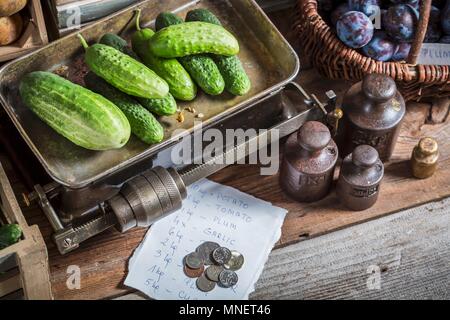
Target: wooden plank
(409,252)
(9,284)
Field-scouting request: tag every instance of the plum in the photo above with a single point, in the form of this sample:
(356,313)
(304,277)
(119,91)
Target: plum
(338,12)
(355,29)
(380,48)
(400,22)
(402,52)
(445,39)
(445,18)
(368,7)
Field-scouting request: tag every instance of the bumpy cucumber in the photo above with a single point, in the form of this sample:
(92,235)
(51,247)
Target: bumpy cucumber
(180,83)
(115,41)
(189,38)
(162,107)
(165,19)
(204,15)
(143,124)
(123,72)
(82,116)
(9,234)
(236,79)
(201,67)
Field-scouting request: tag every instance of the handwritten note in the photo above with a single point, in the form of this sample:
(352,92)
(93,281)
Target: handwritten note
(212,212)
(434,54)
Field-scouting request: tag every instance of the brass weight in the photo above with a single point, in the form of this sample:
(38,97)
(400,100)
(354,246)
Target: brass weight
(424,158)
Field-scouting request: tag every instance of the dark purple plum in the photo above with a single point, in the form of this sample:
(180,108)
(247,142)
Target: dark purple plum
(445,18)
(355,29)
(400,22)
(402,52)
(445,39)
(338,12)
(433,34)
(380,48)
(368,7)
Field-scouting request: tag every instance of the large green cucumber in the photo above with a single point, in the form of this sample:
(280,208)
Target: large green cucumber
(117,42)
(162,107)
(123,72)
(143,124)
(180,83)
(236,79)
(9,234)
(201,67)
(82,116)
(189,38)
(165,19)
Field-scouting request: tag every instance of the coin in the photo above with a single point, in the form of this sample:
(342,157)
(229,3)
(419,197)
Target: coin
(212,272)
(193,273)
(221,255)
(205,251)
(228,278)
(193,260)
(204,284)
(236,261)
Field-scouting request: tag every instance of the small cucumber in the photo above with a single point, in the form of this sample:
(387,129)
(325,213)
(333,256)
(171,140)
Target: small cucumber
(80,115)
(9,234)
(204,15)
(236,79)
(115,41)
(123,72)
(189,38)
(143,124)
(165,19)
(201,67)
(180,83)
(162,107)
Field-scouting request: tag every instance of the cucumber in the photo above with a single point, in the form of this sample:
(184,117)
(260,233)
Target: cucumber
(123,72)
(180,83)
(204,15)
(80,115)
(115,41)
(189,38)
(143,124)
(162,107)
(165,19)
(236,79)
(9,234)
(201,67)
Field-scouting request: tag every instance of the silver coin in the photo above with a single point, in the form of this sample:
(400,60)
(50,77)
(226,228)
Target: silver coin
(228,278)
(193,260)
(236,261)
(205,251)
(221,255)
(212,272)
(204,284)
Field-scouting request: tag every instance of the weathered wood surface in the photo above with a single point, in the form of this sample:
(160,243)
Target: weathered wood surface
(103,259)
(405,255)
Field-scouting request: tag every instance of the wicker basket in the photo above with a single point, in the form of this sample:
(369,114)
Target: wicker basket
(335,60)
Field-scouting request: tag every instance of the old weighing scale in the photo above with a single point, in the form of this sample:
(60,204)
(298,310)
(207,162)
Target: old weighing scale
(92,190)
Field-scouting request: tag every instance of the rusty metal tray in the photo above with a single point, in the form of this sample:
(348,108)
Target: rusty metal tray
(268,58)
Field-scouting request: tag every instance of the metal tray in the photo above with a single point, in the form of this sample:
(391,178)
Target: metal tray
(267,57)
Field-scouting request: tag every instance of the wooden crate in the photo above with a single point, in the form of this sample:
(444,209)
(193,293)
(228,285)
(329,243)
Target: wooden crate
(33,36)
(23,265)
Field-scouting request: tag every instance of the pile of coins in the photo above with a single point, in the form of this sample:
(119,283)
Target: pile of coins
(212,264)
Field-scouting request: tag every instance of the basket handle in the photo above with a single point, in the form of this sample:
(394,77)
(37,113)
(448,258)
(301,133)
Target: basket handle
(425,9)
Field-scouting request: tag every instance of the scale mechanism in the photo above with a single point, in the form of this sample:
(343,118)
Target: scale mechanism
(142,198)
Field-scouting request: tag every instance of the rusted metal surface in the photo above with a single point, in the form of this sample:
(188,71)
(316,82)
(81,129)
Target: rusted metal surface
(359,179)
(309,162)
(267,57)
(424,158)
(373,112)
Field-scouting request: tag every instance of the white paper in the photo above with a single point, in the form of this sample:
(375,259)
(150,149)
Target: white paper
(212,212)
(434,54)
